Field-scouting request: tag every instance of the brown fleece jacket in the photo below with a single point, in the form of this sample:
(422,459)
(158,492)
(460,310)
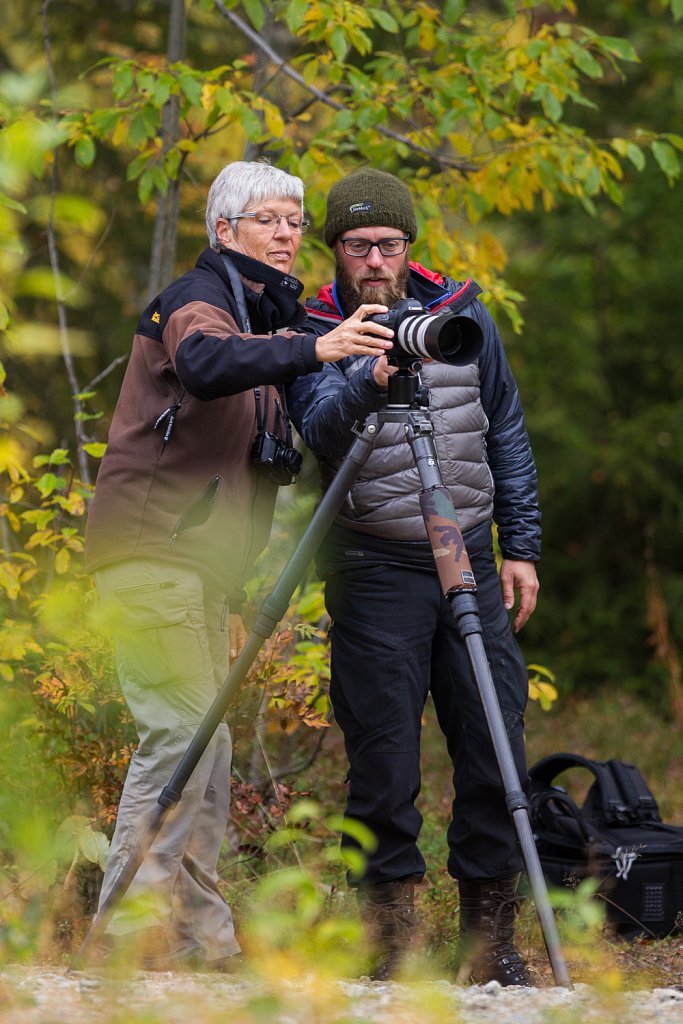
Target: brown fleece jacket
(176,482)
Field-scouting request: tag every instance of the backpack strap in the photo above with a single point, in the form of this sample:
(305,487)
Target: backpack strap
(604,800)
(618,796)
(555,816)
(640,802)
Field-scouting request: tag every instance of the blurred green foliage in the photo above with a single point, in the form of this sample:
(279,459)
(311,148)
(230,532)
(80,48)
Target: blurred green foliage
(540,143)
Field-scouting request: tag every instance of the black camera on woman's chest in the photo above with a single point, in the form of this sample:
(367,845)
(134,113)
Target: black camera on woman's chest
(278,461)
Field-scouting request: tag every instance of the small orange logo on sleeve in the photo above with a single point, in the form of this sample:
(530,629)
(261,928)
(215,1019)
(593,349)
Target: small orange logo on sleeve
(156,318)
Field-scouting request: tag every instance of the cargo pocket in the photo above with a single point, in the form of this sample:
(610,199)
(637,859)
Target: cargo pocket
(161,638)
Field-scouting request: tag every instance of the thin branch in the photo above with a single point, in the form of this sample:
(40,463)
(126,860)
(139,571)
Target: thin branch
(323,97)
(166,222)
(81,437)
(105,373)
(296,769)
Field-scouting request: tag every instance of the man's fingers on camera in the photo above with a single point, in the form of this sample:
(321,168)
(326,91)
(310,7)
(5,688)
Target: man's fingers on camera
(382,370)
(369,309)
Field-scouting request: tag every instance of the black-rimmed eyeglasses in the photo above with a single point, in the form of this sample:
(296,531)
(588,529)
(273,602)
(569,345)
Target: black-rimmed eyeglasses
(271,221)
(363,246)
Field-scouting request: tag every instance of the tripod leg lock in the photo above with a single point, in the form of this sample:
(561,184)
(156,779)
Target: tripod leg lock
(168,797)
(516,801)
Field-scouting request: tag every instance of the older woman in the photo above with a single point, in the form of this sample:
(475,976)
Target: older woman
(183,504)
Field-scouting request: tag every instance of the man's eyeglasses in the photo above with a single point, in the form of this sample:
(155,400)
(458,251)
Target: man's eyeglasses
(271,221)
(363,246)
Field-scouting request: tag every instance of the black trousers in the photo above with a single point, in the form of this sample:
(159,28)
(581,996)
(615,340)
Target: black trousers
(394,640)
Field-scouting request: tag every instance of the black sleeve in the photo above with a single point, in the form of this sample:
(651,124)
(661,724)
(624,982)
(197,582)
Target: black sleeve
(211,367)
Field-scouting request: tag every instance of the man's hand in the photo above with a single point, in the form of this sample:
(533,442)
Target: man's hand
(382,371)
(355,337)
(519,576)
(238,635)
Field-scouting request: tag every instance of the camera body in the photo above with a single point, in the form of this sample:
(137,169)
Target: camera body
(278,461)
(419,334)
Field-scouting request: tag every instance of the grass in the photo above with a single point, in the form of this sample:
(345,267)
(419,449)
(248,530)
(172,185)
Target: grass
(600,727)
(299,928)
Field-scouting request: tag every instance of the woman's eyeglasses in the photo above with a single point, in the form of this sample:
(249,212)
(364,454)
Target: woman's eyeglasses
(271,221)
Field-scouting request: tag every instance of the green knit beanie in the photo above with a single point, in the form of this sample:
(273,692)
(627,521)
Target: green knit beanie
(369,198)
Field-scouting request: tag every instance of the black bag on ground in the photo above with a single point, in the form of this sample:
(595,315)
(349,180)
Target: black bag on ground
(616,837)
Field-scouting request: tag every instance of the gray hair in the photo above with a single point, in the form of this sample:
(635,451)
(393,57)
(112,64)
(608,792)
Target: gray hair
(244,183)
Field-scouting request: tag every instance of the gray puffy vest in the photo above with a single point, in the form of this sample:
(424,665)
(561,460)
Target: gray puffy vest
(384,499)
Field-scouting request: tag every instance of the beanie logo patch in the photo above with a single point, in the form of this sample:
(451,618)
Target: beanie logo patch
(361,207)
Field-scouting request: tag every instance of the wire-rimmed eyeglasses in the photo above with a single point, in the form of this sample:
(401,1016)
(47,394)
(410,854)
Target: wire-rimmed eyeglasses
(363,246)
(271,221)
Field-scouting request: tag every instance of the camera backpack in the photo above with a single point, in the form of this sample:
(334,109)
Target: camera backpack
(616,837)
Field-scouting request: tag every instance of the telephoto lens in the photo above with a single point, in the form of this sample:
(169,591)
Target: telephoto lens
(445,338)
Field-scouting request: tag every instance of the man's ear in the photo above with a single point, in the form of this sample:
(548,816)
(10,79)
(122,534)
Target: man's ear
(224,232)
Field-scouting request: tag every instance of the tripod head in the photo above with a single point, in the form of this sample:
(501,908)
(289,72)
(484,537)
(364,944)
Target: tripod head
(450,338)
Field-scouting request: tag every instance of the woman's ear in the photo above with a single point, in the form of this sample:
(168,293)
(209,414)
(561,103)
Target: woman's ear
(224,232)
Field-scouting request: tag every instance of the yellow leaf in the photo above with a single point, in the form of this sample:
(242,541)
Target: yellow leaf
(120,133)
(274,122)
(208,93)
(62,561)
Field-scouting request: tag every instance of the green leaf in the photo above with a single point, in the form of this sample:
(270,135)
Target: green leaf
(675,140)
(48,483)
(255,13)
(39,282)
(84,151)
(384,20)
(552,106)
(303,809)
(95,448)
(122,80)
(667,158)
(295,14)
(94,846)
(586,62)
(192,88)
(138,131)
(251,123)
(11,203)
(453,11)
(161,92)
(621,48)
(635,155)
(344,120)
(338,44)
(366,839)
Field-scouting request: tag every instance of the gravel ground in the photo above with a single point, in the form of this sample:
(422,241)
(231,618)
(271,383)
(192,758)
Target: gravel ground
(32,996)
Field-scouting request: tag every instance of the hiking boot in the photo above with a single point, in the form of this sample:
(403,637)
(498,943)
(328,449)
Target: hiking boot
(488,908)
(388,910)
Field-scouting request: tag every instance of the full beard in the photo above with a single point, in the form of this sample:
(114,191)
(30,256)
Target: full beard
(354,292)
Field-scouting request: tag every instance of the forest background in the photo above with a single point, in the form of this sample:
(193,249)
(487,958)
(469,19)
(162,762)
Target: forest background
(541,143)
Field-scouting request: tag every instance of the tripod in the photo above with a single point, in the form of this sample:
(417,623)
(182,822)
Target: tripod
(459,588)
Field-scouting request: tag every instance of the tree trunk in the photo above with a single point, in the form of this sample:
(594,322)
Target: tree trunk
(162,260)
(665,649)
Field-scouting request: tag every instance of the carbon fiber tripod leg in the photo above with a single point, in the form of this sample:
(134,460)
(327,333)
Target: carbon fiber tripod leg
(459,588)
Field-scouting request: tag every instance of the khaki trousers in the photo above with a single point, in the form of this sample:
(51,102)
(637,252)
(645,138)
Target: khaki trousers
(171,642)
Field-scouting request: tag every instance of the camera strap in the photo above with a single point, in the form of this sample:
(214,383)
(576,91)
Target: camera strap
(238,292)
(280,411)
(240,299)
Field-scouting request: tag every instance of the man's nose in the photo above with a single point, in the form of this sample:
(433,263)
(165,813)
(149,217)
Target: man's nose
(374,258)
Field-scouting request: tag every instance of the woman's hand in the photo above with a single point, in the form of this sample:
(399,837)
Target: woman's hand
(355,336)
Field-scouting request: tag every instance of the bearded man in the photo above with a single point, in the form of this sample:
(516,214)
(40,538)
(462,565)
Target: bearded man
(394,640)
